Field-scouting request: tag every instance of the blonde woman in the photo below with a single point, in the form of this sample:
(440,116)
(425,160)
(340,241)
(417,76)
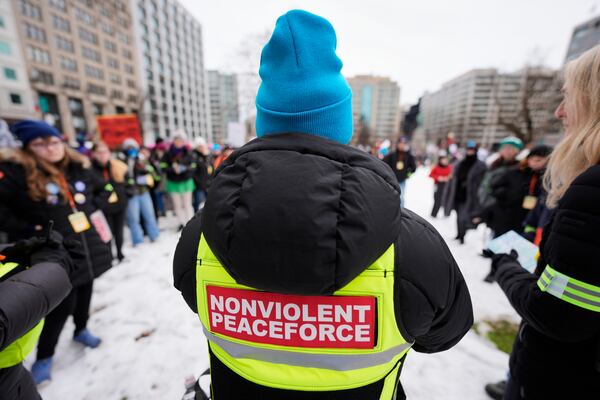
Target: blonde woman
(556,354)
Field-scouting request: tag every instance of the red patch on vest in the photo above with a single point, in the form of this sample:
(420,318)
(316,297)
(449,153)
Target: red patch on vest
(1,174)
(290,320)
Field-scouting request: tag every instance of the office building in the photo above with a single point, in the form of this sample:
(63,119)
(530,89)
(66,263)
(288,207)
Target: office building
(16,97)
(486,105)
(376,105)
(80,60)
(172,71)
(584,37)
(224,106)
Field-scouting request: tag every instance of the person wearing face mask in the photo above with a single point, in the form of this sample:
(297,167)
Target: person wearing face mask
(556,354)
(47,180)
(461,191)
(112,172)
(140,178)
(440,174)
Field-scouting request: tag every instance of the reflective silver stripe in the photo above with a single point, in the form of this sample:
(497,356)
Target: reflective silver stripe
(582,299)
(336,362)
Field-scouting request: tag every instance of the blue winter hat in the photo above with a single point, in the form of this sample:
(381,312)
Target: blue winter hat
(302,89)
(28,130)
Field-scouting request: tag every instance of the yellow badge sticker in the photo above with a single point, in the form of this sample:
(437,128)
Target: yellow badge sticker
(529,202)
(400,165)
(113,198)
(79,222)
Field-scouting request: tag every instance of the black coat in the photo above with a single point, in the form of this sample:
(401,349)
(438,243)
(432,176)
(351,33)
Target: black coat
(26,298)
(202,170)
(294,213)
(557,351)
(474,176)
(509,190)
(20,214)
(184,159)
(105,174)
(403,164)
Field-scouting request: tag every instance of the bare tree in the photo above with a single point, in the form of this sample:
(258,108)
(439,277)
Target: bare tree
(532,115)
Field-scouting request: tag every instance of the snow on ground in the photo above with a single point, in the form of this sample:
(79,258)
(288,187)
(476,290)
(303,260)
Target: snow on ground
(152,341)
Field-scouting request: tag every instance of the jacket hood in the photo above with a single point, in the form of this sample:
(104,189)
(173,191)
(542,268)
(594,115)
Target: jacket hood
(300,214)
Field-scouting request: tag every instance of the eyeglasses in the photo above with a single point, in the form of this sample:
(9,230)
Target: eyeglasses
(46,145)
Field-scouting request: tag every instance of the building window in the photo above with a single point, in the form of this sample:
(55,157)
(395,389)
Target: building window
(120,110)
(95,89)
(77,115)
(60,23)
(71,83)
(114,78)
(30,10)
(97,109)
(105,12)
(42,76)
(110,46)
(58,4)
(35,33)
(94,72)
(126,53)
(116,94)
(84,16)
(113,63)
(15,98)
(130,84)
(4,47)
(68,63)
(10,73)
(123,38)
(88,36)
(91,54)
(38,55)
(129,69)
(106,28)
(64,44)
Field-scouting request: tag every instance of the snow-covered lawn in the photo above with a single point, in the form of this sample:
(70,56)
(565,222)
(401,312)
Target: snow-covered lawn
(152,341)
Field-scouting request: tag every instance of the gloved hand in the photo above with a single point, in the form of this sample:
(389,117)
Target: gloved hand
(52,248)
(497,260)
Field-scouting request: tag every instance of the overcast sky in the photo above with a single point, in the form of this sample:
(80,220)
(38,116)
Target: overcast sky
(419,43)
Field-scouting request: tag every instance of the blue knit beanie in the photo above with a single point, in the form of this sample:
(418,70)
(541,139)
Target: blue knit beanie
(28,130)
(302,89)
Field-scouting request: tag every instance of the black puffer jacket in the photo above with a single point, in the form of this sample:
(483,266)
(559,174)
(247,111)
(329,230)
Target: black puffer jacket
(26,298)
(177,163)
(295,213)
(557,351)
(20,214)
(402,163)
(114,181)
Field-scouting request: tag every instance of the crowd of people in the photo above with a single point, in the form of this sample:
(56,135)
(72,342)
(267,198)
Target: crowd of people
(48,188)
(314,231)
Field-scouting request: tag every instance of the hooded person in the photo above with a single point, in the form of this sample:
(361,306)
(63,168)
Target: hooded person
(309,279)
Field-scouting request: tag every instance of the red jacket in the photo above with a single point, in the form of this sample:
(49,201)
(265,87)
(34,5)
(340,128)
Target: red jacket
(438,172)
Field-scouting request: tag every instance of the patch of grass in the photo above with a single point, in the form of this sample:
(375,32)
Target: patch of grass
(502,333)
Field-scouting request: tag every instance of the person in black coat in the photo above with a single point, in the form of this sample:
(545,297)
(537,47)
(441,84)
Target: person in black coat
(112,173)
(202,170)
(556,354)
(402,163)
(516,191)
(177,163)
(43,181)
(28,294)
(461,190)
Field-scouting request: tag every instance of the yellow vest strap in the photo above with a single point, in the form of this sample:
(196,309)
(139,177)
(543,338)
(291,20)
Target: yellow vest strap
(6,268)
(335,362)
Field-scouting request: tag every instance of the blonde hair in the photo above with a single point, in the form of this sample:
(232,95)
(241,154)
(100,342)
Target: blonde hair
(581,148)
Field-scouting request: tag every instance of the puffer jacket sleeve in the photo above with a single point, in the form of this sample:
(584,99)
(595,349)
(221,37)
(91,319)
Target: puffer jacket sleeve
(571,246)
(28,296)
(11,177)
(184,261)
(431,297)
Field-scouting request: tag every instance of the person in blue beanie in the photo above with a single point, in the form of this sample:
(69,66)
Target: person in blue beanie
(293,264)
(47,183)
